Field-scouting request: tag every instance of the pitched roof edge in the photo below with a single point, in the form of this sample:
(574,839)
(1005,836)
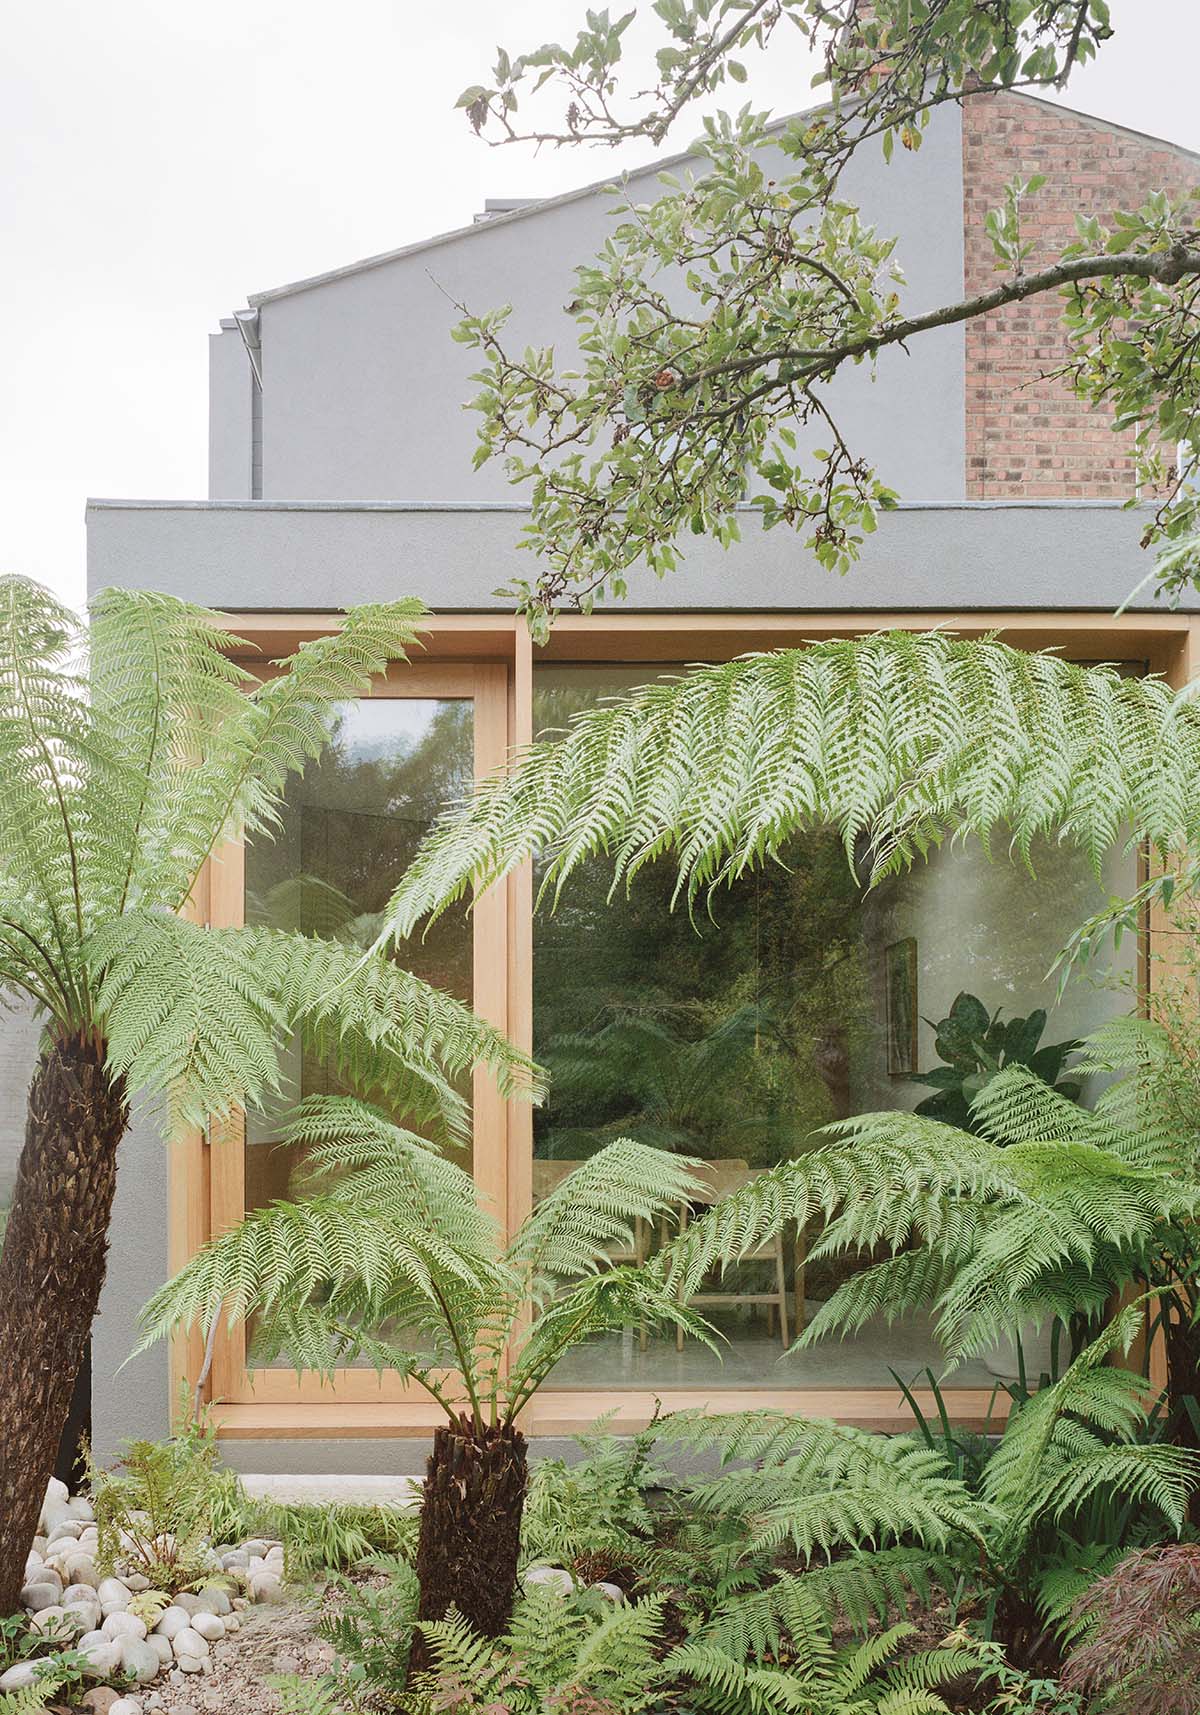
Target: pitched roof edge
(665,164)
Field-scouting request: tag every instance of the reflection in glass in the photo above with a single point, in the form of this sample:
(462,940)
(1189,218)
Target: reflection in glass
(350,825)
(806,1001)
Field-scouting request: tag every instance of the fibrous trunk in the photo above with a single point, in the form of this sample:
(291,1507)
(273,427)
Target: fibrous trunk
(470,1533)
(1183,1385)
(51,1273)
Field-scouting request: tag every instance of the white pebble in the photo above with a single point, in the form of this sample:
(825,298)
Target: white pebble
(102,1655)
(139,1661)
(83,1616)
(187,1643)
(85,1593)
(51,1619)
(123,1625)
(172,1621)
(125,1706)
(162,1647)
(212,1601)
(209,1626)
(113,1593)
(611,1592)
(555,1578)
(17,1677)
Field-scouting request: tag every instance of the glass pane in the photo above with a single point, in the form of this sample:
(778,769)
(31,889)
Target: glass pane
(351,823)
(806,1001)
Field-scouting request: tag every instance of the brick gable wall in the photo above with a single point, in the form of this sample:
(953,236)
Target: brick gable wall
(1027,437)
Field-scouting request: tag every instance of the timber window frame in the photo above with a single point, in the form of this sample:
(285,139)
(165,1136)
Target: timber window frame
(489,658)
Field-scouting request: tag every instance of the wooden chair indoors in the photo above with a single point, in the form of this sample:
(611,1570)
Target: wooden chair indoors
(719,1179)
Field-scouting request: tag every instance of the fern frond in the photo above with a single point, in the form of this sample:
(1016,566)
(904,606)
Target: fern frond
(32,1699)
(201,1015)
(162,684)
(279,727)
(892,739)
(827,1486)
(593,1210)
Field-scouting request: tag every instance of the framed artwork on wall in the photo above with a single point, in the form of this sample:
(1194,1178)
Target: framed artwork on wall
(900,984)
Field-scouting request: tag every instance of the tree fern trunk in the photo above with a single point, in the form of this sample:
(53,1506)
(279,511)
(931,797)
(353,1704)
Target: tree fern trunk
(470,1533)
(51,1272)
(1183,1385)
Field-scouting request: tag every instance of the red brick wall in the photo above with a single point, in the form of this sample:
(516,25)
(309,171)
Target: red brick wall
(1027,437)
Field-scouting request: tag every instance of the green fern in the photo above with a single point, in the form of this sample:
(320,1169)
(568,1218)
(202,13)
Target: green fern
(896,740)
(874,1676)
(393,1257)
(372,1629)
(298,1696)
(1051,1213)
(596,1515)
(558,1652)
(31,1698)
(126,753)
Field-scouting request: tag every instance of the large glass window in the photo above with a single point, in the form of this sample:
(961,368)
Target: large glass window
(806,1001)
(350,825)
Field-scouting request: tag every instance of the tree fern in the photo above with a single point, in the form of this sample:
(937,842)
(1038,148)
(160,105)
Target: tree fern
(126,755)
(202,1014)
(393,1256)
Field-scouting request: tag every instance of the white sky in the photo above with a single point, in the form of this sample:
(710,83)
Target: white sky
(160,161)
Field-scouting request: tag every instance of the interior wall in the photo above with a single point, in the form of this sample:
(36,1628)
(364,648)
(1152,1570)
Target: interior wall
(980,925)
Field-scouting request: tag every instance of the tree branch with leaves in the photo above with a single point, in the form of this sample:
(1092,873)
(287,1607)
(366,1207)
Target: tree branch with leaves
(715,320)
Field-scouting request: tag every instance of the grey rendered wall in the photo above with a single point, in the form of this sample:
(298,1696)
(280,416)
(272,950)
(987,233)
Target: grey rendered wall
(19,1033)
(132,1397)
(363,387)
(985,554)
(230,416)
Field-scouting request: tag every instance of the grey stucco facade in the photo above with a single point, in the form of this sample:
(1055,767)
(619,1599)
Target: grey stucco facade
(319,555)
(346,477)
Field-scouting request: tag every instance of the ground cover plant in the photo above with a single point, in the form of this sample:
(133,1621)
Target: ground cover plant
(395,1258)
(127,752)
(822,1568)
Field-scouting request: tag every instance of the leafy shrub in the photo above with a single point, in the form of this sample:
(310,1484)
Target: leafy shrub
(595,1516)
(1021,1693)
(56,1667)
(1142,1653)
(373,1630)
(157,1510)
(975,1046)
